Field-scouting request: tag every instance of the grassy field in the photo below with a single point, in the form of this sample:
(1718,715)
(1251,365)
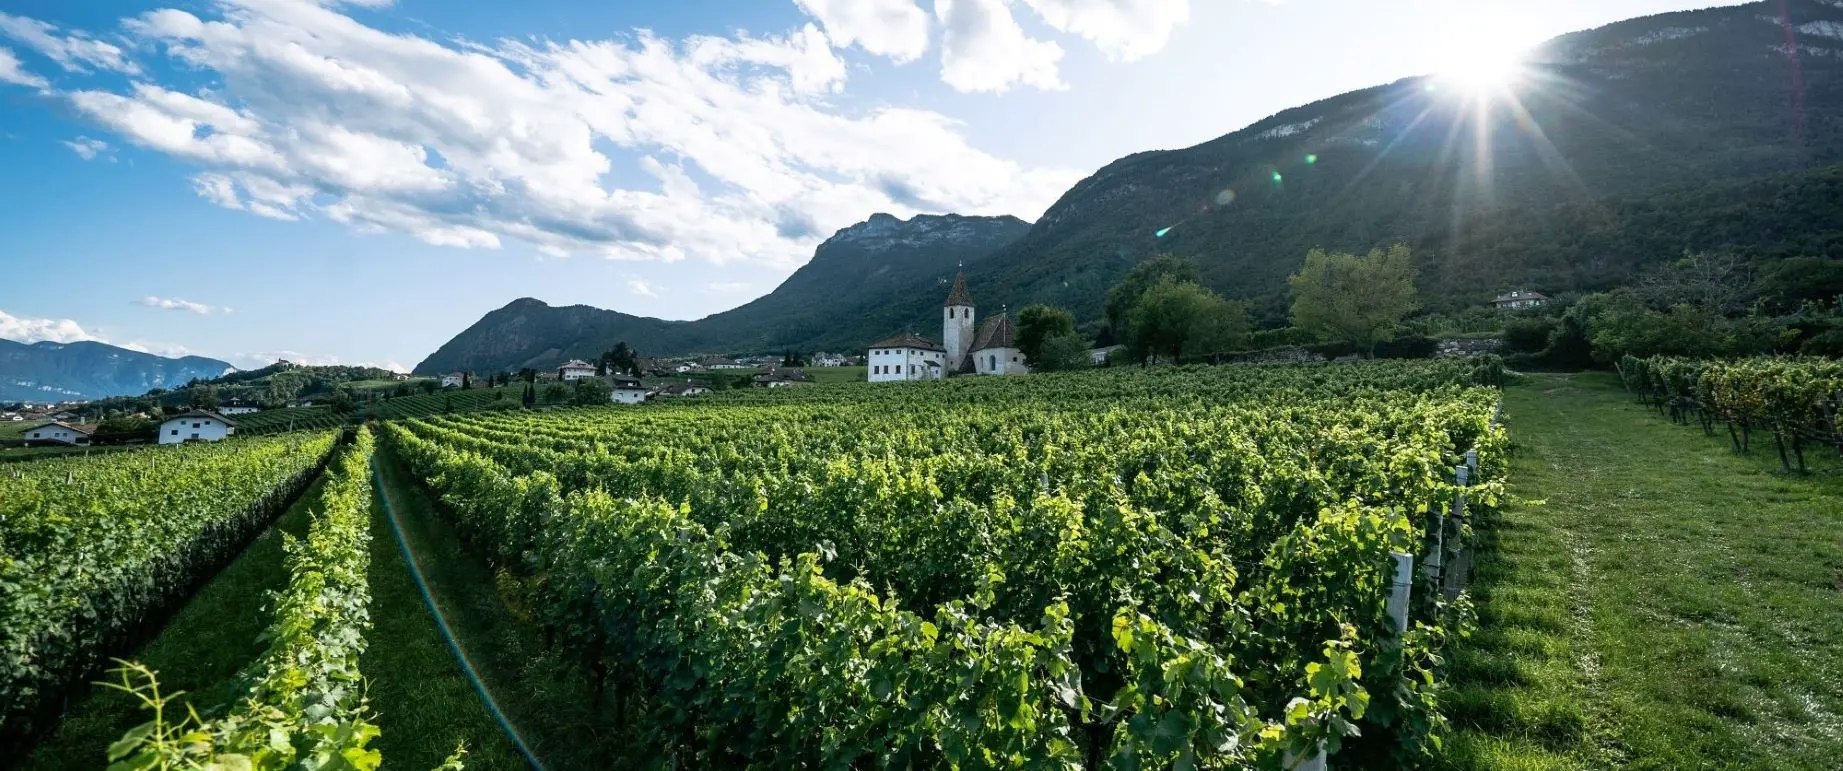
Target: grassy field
(1671,604)
(425,704)
(201,651)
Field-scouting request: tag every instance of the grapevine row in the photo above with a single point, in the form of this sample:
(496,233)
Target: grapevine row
(1797,399)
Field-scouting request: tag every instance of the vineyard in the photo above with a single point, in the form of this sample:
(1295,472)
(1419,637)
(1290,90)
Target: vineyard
(95,551)
(1799,401)
(1189,567)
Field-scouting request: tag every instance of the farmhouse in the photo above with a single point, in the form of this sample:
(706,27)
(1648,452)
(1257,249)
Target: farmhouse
(718,362)
(1519,299)
(238,408)
(626,390)
(58,432)
(989,349)
(687,388)
(196,426)
(782,379)
(575,369)
(453,380)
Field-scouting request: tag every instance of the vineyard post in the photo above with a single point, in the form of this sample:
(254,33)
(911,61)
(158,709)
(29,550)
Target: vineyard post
(1459,572)
(1398,591)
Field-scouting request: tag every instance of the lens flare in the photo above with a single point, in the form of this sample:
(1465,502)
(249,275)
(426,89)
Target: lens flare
(1161,232)
(1225,197)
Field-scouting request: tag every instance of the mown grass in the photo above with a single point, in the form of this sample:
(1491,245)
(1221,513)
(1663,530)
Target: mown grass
(201,651)
(1671,604)
(425,704)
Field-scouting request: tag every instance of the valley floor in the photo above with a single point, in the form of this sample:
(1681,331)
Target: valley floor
(1668,604)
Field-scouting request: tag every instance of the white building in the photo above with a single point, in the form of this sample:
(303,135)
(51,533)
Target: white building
(58,432)
(1519,299)
(626,390)
(907,357)
(984,349)
(718,362)
(197,425)
(575,369)
(687,388)
(453,380)
(238,408)
(1099,355)
(995,350)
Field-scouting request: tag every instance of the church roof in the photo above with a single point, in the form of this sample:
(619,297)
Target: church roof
(909,340)
(959,295)
(995,332)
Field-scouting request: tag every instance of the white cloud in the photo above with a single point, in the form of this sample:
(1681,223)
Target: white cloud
(76,52)
(984,49)
(86,148)
(174,304)
(31,330)
(740,154)
(11,71)
(1124,30)
(641,288)
(897,29)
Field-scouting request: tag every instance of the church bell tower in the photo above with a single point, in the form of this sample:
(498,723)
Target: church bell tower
(957,323)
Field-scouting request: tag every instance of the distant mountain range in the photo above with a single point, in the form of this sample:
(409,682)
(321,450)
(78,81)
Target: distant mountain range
(1622,147)
(53,372)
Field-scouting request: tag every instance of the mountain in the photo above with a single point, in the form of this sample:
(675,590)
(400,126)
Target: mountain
(1620,147)
(89,370)
(852,283)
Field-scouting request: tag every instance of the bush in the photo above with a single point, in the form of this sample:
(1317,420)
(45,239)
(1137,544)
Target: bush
(1528,335)
(1264,339)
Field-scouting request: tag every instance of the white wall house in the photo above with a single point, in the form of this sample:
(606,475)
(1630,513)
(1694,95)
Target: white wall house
(995,350)
(626,390)
(235,408)
(575,369)
(58,432)
(1519,299)
(687,388)
(453,380)
(907,357)
(196,426)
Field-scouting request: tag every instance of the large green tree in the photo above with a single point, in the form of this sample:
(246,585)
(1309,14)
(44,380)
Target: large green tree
(1344,297)
(1038,323)
(1177,318)
(1125,295)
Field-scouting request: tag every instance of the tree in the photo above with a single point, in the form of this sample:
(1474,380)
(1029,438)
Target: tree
(467,381)
(1176,318)
(1125,294)
(530,399)
(555,393)
(618,360)
(1038,323)
(430,386)
(1343,297)
(204,398)
(1059,353)
(591,391)
(793,359)
(340,400)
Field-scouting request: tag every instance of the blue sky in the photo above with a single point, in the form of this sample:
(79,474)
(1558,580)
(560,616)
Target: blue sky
(356,181)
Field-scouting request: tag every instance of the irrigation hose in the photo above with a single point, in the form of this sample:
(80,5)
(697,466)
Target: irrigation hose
(441,623)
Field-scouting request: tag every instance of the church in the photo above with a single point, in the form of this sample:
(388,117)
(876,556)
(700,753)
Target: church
(965,349)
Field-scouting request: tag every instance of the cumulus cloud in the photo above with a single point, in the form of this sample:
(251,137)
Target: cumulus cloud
(86,148)
(75,52)
(174,304)
(641,288)
(740,154)
(12,71)
(26,329)
(984,49)
(1124,30)
(897,29)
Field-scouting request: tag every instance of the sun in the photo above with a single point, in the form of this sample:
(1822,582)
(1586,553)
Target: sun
(1481,56)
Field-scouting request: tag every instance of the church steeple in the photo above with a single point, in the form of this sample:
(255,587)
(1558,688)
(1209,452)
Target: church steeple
(959,296)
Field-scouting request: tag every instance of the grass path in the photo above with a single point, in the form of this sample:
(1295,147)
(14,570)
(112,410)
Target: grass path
(200,651)
(425,704)
(1671,604)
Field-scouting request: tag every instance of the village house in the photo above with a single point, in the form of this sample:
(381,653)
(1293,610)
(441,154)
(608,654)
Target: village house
(687,388)
(59,432)
(1519,299)
(453,380)
(626,390)
(782,378)
(1098,356)
(718,362)
(196,426)
(238,408)
(988,349)
(574,370)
